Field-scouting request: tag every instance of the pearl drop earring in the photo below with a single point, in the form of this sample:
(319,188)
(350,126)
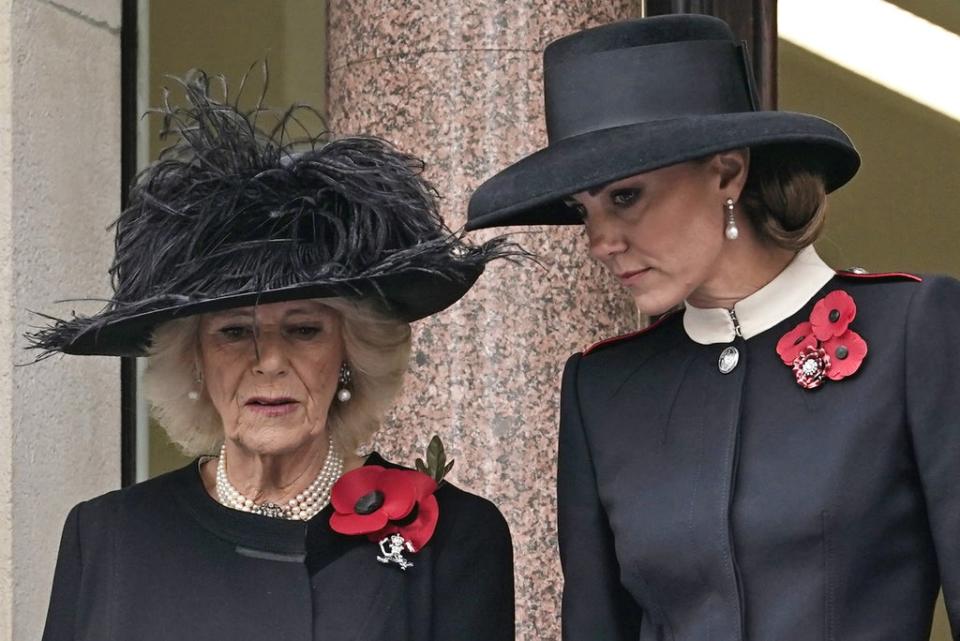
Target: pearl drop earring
(194,394)
(344,394)
(731,231)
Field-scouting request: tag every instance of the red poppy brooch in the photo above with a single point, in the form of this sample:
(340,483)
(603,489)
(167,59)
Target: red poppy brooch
(394,508)
(824,347)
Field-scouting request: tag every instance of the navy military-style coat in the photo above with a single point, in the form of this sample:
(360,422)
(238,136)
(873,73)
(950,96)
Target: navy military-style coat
(697,505)
(163,561)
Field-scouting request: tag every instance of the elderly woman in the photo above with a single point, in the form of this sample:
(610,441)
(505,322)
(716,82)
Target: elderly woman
(778,460)
(271,286)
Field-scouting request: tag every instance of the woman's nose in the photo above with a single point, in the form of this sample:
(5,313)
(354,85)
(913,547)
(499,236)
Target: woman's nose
(270,356)
(605,239)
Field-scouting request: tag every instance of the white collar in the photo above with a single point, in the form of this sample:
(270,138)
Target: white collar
(781,298)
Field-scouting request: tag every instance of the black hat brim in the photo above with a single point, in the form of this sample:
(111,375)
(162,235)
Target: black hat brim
(530,191)
(406,295)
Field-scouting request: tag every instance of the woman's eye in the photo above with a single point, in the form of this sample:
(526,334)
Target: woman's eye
(578,209)
(306,331)
(624,197)
(234,332)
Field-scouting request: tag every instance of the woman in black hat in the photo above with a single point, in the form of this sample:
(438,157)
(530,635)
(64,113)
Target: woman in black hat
(271,285)
(780,459)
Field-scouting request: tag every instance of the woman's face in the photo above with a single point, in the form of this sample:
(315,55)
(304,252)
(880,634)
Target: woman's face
(661,233)
(271,372)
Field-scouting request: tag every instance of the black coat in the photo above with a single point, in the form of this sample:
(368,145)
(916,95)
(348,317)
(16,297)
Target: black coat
(698,506)
(163,561)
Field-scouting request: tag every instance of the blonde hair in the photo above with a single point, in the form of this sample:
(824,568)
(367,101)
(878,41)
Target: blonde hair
(785,201)
(376,347)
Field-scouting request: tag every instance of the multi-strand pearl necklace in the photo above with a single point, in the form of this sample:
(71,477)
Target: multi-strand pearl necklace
(302,508)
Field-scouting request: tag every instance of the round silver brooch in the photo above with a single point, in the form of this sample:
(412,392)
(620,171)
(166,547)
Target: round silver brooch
(729,358)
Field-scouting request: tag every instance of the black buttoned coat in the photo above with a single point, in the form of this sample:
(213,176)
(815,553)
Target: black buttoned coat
(162,561)
(701,506)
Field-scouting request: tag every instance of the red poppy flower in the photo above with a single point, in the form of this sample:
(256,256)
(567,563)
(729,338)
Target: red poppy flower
(832,314)
(376,501)
(810,367)
(795,341)
(367,498)
(418,527)
(846,353)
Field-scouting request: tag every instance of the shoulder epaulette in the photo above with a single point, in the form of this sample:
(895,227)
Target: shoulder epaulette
(623,337)
(858,274)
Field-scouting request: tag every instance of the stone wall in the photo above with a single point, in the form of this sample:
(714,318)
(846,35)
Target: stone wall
(59,189)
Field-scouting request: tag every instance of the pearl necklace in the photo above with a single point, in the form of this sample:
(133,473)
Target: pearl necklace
(302,508)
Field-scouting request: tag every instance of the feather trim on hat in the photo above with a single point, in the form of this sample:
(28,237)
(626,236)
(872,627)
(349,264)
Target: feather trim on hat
(231,209)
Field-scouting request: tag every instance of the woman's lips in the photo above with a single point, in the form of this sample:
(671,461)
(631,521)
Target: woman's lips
(629,278)
(271,406)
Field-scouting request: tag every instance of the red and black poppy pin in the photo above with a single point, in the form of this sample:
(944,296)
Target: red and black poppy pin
(394,508)
(824,347)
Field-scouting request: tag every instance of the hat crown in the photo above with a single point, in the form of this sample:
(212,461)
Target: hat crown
(639,32)
(644,71)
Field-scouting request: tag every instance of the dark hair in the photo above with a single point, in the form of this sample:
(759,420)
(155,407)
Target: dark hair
(785,201)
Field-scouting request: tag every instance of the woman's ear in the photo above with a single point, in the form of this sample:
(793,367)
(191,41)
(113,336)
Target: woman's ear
(732,167)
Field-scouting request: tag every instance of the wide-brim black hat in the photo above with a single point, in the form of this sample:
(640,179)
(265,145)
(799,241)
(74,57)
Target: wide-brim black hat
(634,96)
(233,216)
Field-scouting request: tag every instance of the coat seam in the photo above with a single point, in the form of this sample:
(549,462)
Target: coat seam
(906,387)
(828,588)
(676,394)
(114,583)
(906,364)
(593,469)
(77,535)
(729,489)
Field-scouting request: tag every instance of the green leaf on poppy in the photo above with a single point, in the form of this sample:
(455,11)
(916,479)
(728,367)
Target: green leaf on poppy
(436,465)
(435,456)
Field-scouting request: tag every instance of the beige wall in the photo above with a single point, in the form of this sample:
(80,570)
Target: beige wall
(6,324)
(945,13)
(227,37)
(59,189)
(902,211)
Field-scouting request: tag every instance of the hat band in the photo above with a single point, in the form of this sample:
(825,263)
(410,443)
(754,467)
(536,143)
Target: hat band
(648,83)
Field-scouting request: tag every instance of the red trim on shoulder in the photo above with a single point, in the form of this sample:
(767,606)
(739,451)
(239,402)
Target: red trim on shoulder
(869,276)
(623,337)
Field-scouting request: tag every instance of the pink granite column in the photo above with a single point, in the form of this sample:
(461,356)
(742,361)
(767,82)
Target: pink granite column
(459,83)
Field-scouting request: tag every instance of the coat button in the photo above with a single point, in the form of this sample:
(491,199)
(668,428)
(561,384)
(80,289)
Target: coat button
(729,358)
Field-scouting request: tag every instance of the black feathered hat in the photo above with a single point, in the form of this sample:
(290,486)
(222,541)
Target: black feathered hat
(633,96)
(232,215)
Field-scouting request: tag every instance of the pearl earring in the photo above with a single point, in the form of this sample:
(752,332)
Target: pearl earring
(731,231)
(344,394)
(194,394)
